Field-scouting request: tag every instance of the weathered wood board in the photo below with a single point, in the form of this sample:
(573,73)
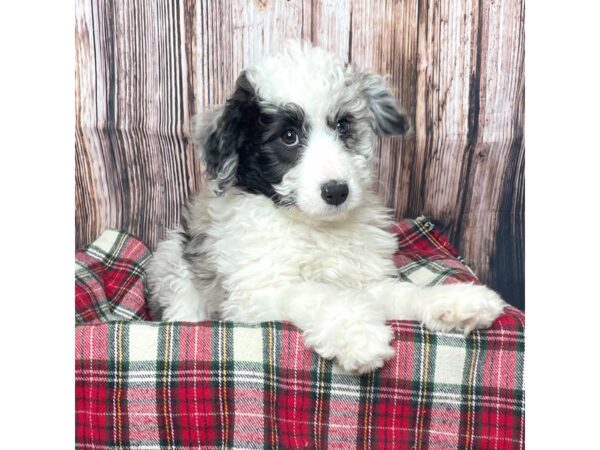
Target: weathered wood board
(143,68)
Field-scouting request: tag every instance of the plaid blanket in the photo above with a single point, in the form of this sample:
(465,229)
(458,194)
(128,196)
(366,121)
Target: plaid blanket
(146,385)
(109,281)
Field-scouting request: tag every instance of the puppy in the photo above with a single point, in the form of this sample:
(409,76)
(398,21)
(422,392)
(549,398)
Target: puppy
(289,228)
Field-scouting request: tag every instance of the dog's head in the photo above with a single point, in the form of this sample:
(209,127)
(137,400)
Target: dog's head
(299,129)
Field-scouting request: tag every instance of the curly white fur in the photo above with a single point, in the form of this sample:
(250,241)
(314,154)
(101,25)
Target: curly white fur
(327,269)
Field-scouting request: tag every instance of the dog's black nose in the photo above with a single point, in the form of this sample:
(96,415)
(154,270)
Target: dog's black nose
(334,192)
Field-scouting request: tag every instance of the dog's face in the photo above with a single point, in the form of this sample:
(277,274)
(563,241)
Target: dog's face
(299,129)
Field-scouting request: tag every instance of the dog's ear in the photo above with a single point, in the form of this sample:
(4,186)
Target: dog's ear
(225,132)
(388,118)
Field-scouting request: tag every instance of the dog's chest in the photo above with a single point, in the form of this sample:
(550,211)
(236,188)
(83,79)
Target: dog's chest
(254,251)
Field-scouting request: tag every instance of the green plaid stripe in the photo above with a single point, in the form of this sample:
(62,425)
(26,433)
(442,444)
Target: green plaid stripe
(224,385)
(438,392)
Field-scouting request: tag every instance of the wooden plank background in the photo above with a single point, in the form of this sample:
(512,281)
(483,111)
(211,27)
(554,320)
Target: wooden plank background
(143,68)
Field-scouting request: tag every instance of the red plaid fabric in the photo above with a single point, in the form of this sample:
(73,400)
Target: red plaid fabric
(109,281)
(148,385)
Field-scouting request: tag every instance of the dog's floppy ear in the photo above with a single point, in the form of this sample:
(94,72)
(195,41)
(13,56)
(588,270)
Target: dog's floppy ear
(389,119)
(225,132)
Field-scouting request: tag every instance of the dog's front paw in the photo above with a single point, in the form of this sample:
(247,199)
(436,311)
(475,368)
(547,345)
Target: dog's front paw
(461,307)
(358,346)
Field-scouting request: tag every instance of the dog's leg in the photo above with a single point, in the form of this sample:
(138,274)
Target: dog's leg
(172,293)
(462,307)
(337,323)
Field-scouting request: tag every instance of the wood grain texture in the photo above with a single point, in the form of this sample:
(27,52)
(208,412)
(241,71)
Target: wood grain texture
(144,68)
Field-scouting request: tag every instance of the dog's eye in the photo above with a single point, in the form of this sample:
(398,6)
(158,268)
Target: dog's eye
(290,138)
(342,126)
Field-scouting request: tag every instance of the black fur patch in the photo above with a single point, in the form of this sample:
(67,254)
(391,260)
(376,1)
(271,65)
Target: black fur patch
(269,159)
(235,133)
(251,132)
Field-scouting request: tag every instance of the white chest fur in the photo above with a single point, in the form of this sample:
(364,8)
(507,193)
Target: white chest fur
(332,280)
(256,245)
